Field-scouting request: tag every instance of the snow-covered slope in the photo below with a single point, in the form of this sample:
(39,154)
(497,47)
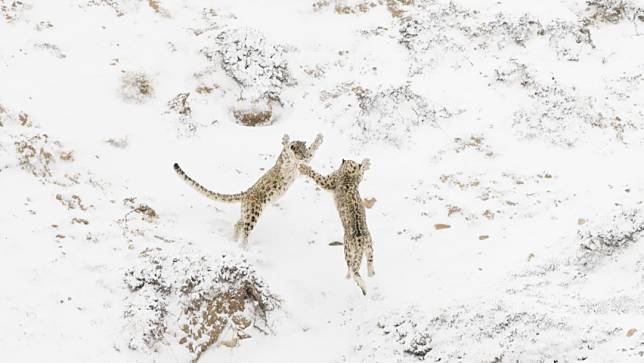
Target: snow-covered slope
(505,139)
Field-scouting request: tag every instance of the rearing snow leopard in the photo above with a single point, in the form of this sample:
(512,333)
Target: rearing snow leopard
(343,183)
(269,187)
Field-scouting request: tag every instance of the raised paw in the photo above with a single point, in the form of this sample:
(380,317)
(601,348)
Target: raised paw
(318,138)
(366,163)
(285,139)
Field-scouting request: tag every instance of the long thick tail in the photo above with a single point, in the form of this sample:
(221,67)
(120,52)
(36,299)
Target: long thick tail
(208,193)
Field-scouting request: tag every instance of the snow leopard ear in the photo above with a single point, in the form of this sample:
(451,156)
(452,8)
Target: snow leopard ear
(285,139)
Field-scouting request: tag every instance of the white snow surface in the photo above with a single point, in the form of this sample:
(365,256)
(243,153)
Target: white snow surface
(517,125)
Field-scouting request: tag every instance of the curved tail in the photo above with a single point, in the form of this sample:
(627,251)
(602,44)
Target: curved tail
(208,193)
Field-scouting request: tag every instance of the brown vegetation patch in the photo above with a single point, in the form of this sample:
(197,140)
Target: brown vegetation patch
(34,155)
(156,6)
(146,212)
(211,302)
(73,202)
(203,89)
(394,7)
(136,87)
(253,118)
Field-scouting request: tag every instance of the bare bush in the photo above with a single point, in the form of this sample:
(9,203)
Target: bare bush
(11,10)
(484,331)
(560,114)
(611,12)
(257,65)
(434,29)
(179,104)
(609,234)
(36,154)
(136,87)
(217,301)
(391,114)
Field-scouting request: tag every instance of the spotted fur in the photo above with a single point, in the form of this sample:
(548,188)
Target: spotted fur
(268,188)
(343,183)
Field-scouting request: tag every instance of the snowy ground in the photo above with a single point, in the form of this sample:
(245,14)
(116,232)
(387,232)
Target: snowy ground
(505,137)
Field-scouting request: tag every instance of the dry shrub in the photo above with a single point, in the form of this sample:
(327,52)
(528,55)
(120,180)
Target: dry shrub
(35,154)
(120,143)
(180,105)
(611,12)
(113,4)
(136,87)
(146,212)
(73,202)
(3,115)
(257,64)
(253,118)
(217,301)
(11,9)
(321,4)
(51,48)
(9,118)
(474,142)
(609,234)
(203,89)
(361,7)
(345,8)
(392,114)
(394,7)
(156,6)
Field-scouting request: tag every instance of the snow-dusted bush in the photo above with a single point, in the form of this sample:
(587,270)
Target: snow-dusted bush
(434,29)
(11,10)
(24,145)
(36,154)
(180,113)
(179,105)
(256,64)
(609,234)
(212,301)
(10,118)
(116,5)
(514,73)
(560,114)
(390,114)
(136,87)
(612,12)
(408,330)
(482,332)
